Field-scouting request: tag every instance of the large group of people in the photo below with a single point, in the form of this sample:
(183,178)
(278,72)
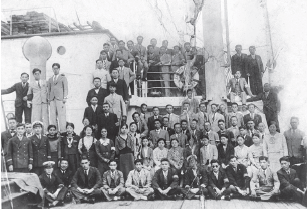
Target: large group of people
(220,154)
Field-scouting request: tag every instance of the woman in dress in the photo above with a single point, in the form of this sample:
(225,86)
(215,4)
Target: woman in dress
(254,152)
(175,155)
(241,151)
(274,147)
(136,140)
(124,148)
(147,153)
(87,145)
(159,153)
(69,146)
(105,151)
(54,142)
(85,123)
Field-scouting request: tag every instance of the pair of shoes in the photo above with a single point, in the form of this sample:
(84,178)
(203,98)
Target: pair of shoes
(151,197)
(61,203)
(228,198)
(91,201)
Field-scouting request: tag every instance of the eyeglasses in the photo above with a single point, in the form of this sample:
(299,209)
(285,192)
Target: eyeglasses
(215,166)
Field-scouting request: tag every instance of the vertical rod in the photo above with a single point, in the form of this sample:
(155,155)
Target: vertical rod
(50,21)
(227,32)
(11,25)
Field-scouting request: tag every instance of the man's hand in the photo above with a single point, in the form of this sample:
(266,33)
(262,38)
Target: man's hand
(223,166)
(253,193)
(248,74)
(30,167)
(218,191)
(25,98)
(28,104)
(11,168)
(126,101)
(142,135)
(64,100)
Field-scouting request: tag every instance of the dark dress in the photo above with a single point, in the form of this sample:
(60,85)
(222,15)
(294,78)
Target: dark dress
(89,153)
(104,151)
(55,148)
(124,148)
(70,152)
(255,79)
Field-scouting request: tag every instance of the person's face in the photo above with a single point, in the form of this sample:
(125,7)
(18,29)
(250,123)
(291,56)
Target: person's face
(86,122)
(49,170)
(294,123)
(20,130)
(104,133)
(133,128)
(193,163)
(156,111)
(121,45)
(261,127)
(104,57)
(213,108)
(202,108)
(205,141)
(238,49)
(215,167)
(24,78)
(189,94)
(165,122)
(285,165)
(69,129)
(242,132)
(138,166)
(115,74)
(28,128)
(162,50)
(256,140)
(123,130)
(207,127)
(121,63)
(85,164)
(157,125)
(105,108)
(113,166)
(165,43)
(238,74)
(221,125)
(140,40)
(222,108)
(193,125)
(99,64)
(130,45)
(113,41)
(266,87)
(233,162)
(169,109)
(97,83)
(252,51)
(244,107)
(187,47)
(176,50)
(37,75)
(136,118)
(234,121)
(272,129)
(174,143)
(263,164)
(112,89)
(106,48)
(94,101)
(186,106)
(88,131)
(118,54)
(144,108)
(184,125)
(250,125)
(150,49)
(12,124)
(161,144)
(38,130)
(240,141)
(234,108)
(56,70)
(224,140)
(251,108)
(178,128)
(164,165)
(64,164)
(153,42)
(145,142)
(52,131)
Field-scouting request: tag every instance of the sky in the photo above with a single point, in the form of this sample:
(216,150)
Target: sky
(164,19)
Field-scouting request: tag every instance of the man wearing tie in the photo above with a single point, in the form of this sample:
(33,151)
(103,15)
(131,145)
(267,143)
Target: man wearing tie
(6,135)
(106,48)
(151,124)
(208,152)
(125,73)
(106,63)
(100,92)
(58,91)
(141,124)
(143,56)
(102,72)
(214,117)
(240,122)
(38,98)
(251,128)
(166,128)
(108,121)
(158,133)
(234,128)
(256,117)
(196,134)
(64,173)
(121,86)
(172,118)
(238,61)
(21,90)
(202,116)
(213,136)
(182,138)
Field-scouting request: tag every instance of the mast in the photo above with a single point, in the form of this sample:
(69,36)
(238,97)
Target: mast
(227,32)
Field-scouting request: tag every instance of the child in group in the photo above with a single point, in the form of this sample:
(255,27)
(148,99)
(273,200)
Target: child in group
(147,153)
(69,147)
(86,146)
(54,142)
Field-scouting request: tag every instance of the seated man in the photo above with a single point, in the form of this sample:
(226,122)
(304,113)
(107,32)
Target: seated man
(86,183)
(218,182)
(238,178)
(182,138)
(191,149)
(166,181)
(53,186)
(64,173)
(225,151)
(290,184)
(264,182)
(113,182)
(138,183)
(237,87)
(195,179)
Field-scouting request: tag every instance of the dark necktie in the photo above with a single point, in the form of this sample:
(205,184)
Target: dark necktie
(39,86)
(23,85)
(86,178)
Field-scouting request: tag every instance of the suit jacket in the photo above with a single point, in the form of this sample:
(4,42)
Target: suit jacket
(66,177)
(213,136)
(170,131)
(195,181)
(121,89)
(41,150)
(133,180)
(20,153)
(58,89)
(20,93)
(220,182)
(242,83)
(109,56)
(207,156)
(257,119)
(270,104)
(172,181)
(286,179)
(151,123)
(126,55)
(92,115)
(126,74)
(202,117)
(36,94)
(259,63)
(154,136)
(238,63)
(141,51)
(223,156)
(145,116)
(198,135)
(107,63)
(269,179)
(214,123)
(94,178)
(183,139)
(173,119)
(109,123)
(118,179)
(187,151)
(248,141)
(114,65)
(237,178)
(5,136)
(50,185)
(102,93)
(142,127)
(117,105)
(239,117)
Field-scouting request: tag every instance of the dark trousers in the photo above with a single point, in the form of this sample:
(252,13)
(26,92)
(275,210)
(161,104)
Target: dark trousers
(21,170)
(82,196)
(226,192)
(291,190)
(271,116)
(23,109)
(189,194)
(171,193)
(60,197)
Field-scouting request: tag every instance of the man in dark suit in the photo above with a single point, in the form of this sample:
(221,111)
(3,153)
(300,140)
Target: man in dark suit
(98,91)
(141,124)
(248,141)
(93,111)
(64,173)
(21,90)
(155,135)
(271,104)
(114,63)
(106,47)
(225,150)
(238,61)
(252,116)
(237,175)
(184,128)
(151,123)
(290,184)
(121,87)
(19,153)
(8,134)
(54,188)
(86,183)
(197,134)
(165,124)
(166,181)
(182,138)
(218,181)
(229,134)
(108,121)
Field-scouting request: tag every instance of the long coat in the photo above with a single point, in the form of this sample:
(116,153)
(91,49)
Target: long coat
(20,153)
(41,150)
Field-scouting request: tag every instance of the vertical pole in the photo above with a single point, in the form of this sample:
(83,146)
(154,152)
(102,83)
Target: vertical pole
(11,25)
(227,31)
(50,21)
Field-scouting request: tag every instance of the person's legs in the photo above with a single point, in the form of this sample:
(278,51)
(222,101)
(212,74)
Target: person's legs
(106,194)
(133,193)
(61,111)
(45,116)
(243,97)
(166,80)
(52,112)
(18,113)
(232,97)
(27,112)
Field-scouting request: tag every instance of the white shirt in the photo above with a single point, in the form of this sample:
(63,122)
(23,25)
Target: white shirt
(94,107)
(86,171)
(216,174)
(158,131)
(165,173)
(97,90)
(115,80)
(145,152)
(55,77)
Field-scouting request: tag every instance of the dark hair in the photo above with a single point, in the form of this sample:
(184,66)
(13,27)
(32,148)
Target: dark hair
(220,121)
(112,84)
(85,119)
(143,105)
(135,114)
(115,69)
(168,105)
(215,161)
(56,64)
(234,117)
(121,41)
(155,107)
(207,122)
(157,120)
(234,104)
(174,138)
(165,117)
(70,124)
(132,123)
(138,161)
(51,126)
(84,157)
(24,74)
(263,158)
(97,78)
(110,161)
(101,52)
(251,105)
(103,128)
(36,70)
(256,134)
(64,159)
(164,159)
(123,126)
(202,103)
(149,46)
(106,104)
(161,139)
(241,137)
(20,125)
(183,121)
(214,104)
(233,156)
(98,60)
(272,123)
(284,158)
(119,51)
(206,137)
(94,96)
(195,120)
(105,45)
(251,120)
(87,126)
(242,127)
(223,135)
(13,118)
(177,124)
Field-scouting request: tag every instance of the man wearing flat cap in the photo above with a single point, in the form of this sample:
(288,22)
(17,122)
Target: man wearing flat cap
(53,186)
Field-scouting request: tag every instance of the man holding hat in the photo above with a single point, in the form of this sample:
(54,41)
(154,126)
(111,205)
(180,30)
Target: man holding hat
(53,186)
